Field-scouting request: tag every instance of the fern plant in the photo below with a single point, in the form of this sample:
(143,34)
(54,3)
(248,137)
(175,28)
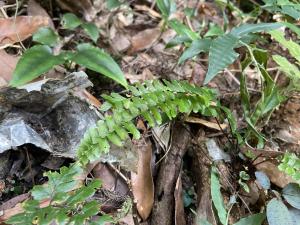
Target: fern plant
(150,100)
(65,205)
(290,164)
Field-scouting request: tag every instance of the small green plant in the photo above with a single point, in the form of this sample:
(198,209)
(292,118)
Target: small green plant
(290,164)
(151,100)
(68,201)
(286,7)
(244,176)
(40,58)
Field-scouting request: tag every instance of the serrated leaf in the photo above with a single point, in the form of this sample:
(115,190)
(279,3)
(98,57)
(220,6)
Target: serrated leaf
(34,62)
(70,21)
(277,213)
(291,193)
(221,55)
(46,36)
(197,46)
(217,196)
(99,61)
(256,219)
(91,30)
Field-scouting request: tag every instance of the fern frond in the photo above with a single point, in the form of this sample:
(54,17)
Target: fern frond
(150,100)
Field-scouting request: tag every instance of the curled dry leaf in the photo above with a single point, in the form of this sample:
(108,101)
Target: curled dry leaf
(144,39)
(20,28)
(179,205)
(35,9)
(142,182)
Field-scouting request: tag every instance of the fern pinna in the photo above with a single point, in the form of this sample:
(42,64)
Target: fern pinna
(150,100)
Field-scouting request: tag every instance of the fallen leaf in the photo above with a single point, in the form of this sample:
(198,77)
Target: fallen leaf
(144,39)
(142,182)
(7,65)
(276,176)
(206,123)
(150,11)
(18,29)
(84,7)
(35,9)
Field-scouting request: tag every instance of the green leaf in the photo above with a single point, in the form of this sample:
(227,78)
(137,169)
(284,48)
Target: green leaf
(277,213)
(221,54)
(197,46)
(167,7)
(217,196)
(91,30)
(46,36)
(182,29)
(111,4)
(256,219)
(70,21)
(214,30)
(291,193)
(99,61)
(33,63)
(254,28)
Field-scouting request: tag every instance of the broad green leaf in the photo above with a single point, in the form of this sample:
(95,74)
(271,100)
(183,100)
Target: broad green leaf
(277,213)
(254,28)
(197,46)
(256,219)
(182,29)
(167,7)
(291,193)
(46,36)
(99,61)
(111,4)
(221,54)
(70,21)
(91,30)
(34,62)
(217,196)
(180,39)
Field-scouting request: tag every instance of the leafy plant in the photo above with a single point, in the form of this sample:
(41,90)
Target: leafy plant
(149,100)
(71,21)
(286,7)
(291,70)
(67,201)
(40,58)
(290,164)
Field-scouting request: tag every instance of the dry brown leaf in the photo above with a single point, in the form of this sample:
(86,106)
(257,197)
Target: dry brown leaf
(35,9)
(18,29)
(84,7)
(150,11)
(206,123)
(144,39)
(142,182)
(7,65)
(276,176)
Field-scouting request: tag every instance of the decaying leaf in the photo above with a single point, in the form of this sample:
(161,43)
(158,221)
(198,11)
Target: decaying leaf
(35,9)
(144,39)
(7,65)
(18,29)
(142,182)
